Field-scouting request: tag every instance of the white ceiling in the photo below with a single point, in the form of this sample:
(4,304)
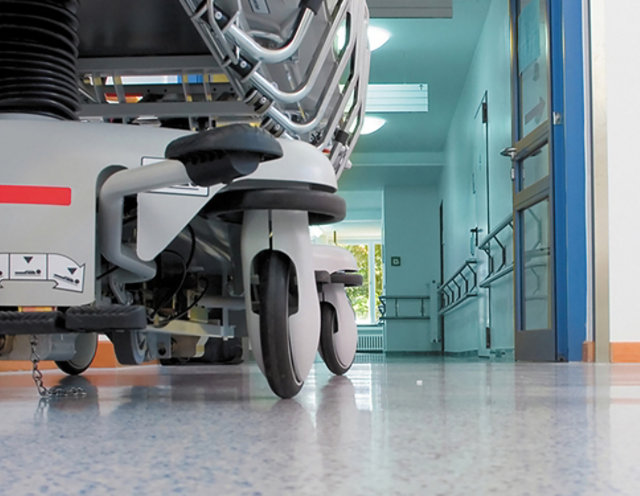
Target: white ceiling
(410,8)
(408,150)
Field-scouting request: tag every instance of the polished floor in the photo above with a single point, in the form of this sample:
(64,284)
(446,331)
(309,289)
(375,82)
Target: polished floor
(412,426)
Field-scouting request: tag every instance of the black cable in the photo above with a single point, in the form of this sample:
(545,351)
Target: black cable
(192,251)
(186,266)
(178,287)
(163,323)
(107,272)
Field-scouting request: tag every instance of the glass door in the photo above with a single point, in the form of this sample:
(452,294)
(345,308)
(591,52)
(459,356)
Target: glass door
(532,156)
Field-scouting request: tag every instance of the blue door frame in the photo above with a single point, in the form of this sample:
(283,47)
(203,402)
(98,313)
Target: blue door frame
(569,177)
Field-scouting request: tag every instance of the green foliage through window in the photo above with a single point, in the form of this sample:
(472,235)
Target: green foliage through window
(360,296)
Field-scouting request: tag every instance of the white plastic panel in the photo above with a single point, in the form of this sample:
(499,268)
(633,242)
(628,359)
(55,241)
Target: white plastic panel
(333,259)
(300,163)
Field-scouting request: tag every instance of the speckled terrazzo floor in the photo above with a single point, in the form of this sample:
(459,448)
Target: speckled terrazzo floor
(466,428)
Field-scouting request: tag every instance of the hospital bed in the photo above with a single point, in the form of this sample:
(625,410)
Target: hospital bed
(162,162)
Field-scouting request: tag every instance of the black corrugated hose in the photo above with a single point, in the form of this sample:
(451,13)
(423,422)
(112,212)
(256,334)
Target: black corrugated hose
(38,55)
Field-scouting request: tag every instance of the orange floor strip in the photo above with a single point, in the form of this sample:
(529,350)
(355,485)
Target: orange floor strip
(105,358)
(20,365)
(625,352)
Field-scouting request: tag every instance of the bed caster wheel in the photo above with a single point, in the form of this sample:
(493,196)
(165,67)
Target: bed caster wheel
(130,346)
(276,297)
(338,331)
(281,302)
(86,346)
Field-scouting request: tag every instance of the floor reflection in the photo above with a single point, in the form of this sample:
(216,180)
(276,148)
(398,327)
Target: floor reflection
(410,426)
(55,407)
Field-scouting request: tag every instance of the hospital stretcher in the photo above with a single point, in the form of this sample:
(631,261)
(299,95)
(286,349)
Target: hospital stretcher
(116,222)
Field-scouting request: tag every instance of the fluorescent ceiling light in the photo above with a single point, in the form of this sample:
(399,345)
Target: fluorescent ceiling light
(377,37)
(371,124)
(398,98)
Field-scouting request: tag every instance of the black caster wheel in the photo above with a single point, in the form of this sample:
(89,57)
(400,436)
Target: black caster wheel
(276,281)
(86,346)
(130,346)
(337,362)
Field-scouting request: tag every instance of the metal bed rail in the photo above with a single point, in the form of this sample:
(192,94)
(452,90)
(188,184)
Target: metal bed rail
(292,72)
(325,105)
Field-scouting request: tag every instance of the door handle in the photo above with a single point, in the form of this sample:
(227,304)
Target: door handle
(476,234)
(510,152)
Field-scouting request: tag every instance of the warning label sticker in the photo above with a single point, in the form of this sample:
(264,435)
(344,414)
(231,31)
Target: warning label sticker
(67,274)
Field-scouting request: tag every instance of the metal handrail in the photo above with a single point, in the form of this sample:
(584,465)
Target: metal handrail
(507,221)
(459,287)
(490,279)
(496,273)
(453,306)
(384,299)
(467,263)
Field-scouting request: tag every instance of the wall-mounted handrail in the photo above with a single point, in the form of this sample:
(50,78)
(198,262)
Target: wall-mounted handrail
(470,262)
(490,279)
(493,238)
(457,303)
(394,302)
(508,221)
(459,287)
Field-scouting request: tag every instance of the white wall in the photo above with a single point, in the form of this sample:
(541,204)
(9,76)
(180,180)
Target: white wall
(490,72)
(622,39)
(411,233)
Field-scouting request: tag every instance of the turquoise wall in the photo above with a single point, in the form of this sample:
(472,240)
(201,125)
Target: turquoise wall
(463,185)
(410,231)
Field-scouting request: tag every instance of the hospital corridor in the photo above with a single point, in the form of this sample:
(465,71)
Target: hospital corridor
(319,247)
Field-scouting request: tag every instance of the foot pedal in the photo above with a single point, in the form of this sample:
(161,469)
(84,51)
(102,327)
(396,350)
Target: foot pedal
(15,323)
(349,279)
(222,154)
(322,277)
(106,318)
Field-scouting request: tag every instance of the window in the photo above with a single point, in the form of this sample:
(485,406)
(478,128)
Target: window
(362,239)
(364,299)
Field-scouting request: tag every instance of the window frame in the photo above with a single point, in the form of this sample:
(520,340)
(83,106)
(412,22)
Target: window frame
(371,259)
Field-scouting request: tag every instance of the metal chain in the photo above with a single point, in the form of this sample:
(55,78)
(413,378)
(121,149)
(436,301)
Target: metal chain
(39,415)
(36,374)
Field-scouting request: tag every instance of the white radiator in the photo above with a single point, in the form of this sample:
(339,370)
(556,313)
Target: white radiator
(370,342)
